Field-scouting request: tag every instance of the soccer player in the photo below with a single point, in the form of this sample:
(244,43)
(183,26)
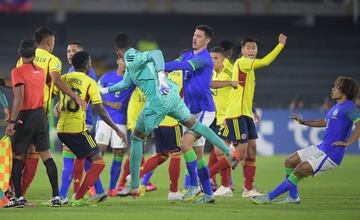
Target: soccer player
(75,167)
(240,128)
(71,126)
(51,65)
(167,143)
(197,66)
(314,160)
(146,70)
(116,105)
(220,87)
(227,46)
(28,107)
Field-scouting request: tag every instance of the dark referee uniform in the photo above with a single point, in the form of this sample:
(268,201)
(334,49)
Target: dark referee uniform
(34,129)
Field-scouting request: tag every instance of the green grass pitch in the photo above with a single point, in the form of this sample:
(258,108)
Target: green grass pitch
(334,195)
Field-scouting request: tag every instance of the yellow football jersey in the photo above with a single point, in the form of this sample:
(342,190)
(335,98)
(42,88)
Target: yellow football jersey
(176,77)
(228,64)
(135,106)
(221,95)
(49,63)
(241,99)
(72,116)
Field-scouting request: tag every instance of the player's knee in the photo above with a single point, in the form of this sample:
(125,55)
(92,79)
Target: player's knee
(137,135)
(45,155)
(187,141)
(95,157)
(190,123)
(118,152)
(21,157)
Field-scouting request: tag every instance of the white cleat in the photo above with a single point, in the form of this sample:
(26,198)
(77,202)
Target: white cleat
(125,192)
(251,193)
(223,192)
(289,200)
(172,196)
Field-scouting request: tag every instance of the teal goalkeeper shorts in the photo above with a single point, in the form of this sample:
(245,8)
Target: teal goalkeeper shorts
(154,112)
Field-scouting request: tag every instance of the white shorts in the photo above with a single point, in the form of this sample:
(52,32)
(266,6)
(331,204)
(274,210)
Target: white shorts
(205,118)
(107,136)
(319,160)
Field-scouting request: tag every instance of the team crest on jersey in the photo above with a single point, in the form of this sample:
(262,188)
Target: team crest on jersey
(243,136)
(57,65)
(335,113)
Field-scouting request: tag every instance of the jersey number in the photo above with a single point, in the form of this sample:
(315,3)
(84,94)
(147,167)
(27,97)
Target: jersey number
(69,104)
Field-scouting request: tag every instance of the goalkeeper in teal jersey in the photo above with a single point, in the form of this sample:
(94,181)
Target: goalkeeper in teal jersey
(146,71)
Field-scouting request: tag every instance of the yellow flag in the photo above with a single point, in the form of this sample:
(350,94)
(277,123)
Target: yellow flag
(5,162)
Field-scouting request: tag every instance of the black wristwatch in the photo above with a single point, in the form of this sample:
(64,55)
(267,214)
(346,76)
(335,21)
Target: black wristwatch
(11,121)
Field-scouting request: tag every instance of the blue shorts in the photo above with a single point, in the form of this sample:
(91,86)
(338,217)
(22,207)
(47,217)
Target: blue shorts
(168,139)
(239,130)
(81,144)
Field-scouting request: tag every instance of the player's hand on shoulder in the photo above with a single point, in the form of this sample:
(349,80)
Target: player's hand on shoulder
(282,39)
(297,118)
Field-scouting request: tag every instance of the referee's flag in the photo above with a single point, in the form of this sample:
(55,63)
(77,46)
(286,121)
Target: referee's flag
(5,162)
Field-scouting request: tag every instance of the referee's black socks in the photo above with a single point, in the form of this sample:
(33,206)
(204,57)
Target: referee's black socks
(51,171)
(16,175)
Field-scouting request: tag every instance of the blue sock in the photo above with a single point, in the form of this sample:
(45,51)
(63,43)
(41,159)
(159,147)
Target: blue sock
(146,178)
(204,176)
(293,192)
(115,171)
(67,173)
(191,164)
(187,180)
(285,186)
(98,185)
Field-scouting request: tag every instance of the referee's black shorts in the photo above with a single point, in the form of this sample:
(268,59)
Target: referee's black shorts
(33,130)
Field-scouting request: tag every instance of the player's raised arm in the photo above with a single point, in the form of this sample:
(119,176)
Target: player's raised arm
(270,57)
(123,84)
(310,123)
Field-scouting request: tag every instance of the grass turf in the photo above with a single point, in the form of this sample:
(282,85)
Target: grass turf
(334,195)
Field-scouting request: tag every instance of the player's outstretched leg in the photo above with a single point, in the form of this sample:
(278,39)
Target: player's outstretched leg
(96,167)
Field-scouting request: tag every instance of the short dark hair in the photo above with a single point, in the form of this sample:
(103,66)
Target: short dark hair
(217,50)
(348,86)
(80,59)
(209,33)
(27,48)
(248,40)
(41,33)
(226,45)
(78,43)
(121,41)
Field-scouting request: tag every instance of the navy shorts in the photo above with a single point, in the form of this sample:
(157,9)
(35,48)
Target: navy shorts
(239,130)
(81,144)
(167,139)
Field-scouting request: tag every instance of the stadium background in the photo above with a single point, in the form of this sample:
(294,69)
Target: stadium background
(323,42)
